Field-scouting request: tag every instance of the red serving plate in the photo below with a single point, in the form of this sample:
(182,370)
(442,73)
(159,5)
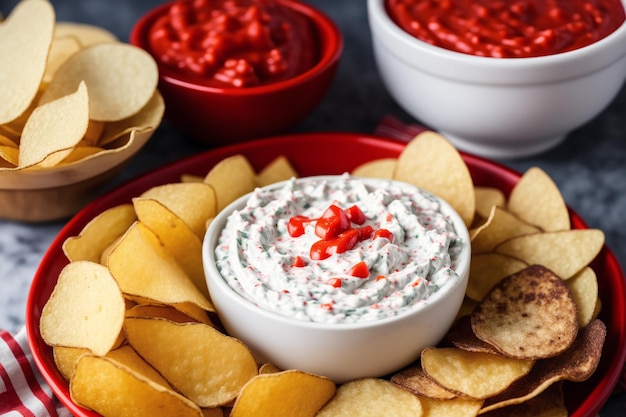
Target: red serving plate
(332,153)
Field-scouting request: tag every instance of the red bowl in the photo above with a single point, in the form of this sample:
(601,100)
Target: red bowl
(332,153)
(215,115)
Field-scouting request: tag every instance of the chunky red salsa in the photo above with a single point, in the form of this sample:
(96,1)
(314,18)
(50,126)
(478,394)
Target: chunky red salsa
(508,28)
(234,43)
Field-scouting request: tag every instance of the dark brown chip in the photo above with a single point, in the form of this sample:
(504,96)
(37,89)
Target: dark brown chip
(414,380)
(576,364)
(528,315)
(462,336)
(550,403)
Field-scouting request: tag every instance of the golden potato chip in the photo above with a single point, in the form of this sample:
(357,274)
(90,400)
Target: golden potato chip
(371,397)
(487,269)
(499,226)
(65,359)
(85,309)
(231,178)
(301,395)
(113,390)
(10,155)
(550,403)
(127,356)
(528,315)
(584,289)
(61,49)
(25,38)
(99,233)
(378,168)
(537,200)
(86,34)
(191,178)
(477,375)
(159,312)
(455,407)
(121,78)
(577,364)
(205,365)
(416,382)
(268,368)
(563,252)
(93,133)
(147,118)
(193,202)
(54,129)
(430,162)
(177,238)
(486,198)
(79,153)
(144,269)
(213,412)
(279,169)
(8,142)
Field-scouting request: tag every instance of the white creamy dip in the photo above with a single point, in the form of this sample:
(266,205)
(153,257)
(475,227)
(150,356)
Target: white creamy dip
(256,253)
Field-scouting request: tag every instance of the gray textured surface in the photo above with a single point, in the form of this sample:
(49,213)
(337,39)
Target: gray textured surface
(589,167)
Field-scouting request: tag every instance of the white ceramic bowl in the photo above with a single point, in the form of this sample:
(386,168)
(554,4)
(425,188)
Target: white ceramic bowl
(341,351)
(497,107)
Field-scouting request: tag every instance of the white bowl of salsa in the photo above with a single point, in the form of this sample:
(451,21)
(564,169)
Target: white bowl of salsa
(501,79)
(336,275)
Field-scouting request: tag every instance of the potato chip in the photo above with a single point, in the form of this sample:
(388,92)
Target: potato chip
(499,226)
(25,38)
(121,78)
(85,309)
(268,368)
(474,374)
(528,315)
(86,34)
(279,169)
(10,155)
(455,407)
(114,390)
(159,312)
(462,336)
(99,233)
(577,364)
(378,168)
(231,178)
(192,202)
(486,198)
(127,356)
(213,412)
(537,200)
(65,359)
(371,397)
(79,153)
(148,117)
(564,252)
(430,162)
(550,403)
(191,178)
(93,133)
(54,129)
(584,289)
(205,365)
(61,49)
(144,269)
(487,269)
(301,395)
(177,238)
(467,306)
(416,382)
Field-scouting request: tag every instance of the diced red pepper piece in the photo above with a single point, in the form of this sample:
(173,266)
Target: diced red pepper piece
(355,215)
(384,233)
(360,270)
(333,222)
(335,282)
(325,248)
(298,262)
(296,225)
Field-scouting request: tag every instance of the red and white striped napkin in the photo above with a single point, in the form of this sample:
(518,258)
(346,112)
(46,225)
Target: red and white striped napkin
(23,391)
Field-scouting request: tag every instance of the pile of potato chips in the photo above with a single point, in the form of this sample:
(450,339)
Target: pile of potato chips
(133,327)
(70,93)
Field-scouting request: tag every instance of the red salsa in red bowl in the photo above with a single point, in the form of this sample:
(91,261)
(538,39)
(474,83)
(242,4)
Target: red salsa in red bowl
(234,43)
(508,29)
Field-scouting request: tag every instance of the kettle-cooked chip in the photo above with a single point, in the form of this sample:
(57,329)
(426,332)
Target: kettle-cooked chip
(528,315)
(231,178)
(499,226)
(372,397)
(487,269)
(378,168)
(414,380)
(429,161)
(284,393)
